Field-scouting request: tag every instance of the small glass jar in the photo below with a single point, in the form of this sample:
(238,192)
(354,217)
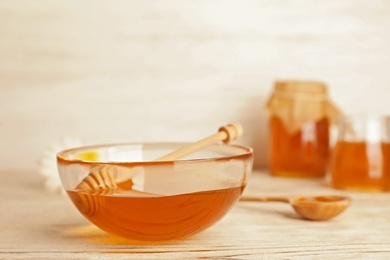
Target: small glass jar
(361,157)
(300,114)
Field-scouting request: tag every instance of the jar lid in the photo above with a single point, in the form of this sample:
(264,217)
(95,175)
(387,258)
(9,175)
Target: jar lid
(298,102)
(309,90)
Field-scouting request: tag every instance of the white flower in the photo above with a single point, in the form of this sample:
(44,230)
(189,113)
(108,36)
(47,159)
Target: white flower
(48,163)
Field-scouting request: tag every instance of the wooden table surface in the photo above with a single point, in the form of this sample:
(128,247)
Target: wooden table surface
(38,225)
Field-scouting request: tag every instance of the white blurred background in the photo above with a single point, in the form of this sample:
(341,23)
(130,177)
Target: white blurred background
(173,70)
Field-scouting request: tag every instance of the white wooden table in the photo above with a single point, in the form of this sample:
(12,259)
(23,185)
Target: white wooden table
(37,225)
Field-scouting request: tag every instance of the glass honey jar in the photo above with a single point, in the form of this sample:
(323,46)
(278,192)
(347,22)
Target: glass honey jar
(300,115)
(361,157)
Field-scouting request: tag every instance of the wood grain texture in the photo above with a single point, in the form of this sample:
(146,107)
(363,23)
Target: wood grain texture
(35,225)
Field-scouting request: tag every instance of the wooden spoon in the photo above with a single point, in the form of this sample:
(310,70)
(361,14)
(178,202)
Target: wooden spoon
(311,207)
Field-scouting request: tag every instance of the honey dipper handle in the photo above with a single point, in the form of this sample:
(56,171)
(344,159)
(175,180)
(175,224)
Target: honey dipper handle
(225,134)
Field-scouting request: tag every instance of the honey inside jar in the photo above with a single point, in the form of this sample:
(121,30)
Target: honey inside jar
(362,166)
(300,114)
(303,153)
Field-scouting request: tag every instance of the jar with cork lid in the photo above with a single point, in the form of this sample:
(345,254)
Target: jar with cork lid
(300,115)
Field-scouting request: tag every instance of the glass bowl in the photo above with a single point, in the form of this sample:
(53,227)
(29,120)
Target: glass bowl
(120,189)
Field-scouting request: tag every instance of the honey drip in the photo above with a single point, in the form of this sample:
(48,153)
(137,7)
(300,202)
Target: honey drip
(361,166)
(303,153)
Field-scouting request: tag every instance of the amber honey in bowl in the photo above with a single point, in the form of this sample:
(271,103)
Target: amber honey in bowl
(156,218)
(123,191)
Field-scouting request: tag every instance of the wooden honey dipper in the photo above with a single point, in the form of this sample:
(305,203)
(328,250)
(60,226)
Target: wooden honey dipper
(104,178)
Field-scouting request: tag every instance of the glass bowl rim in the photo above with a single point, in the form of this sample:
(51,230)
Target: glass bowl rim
(62,158)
